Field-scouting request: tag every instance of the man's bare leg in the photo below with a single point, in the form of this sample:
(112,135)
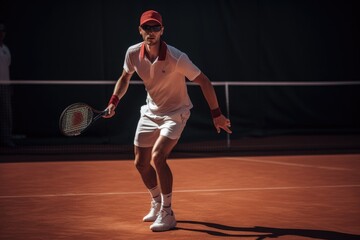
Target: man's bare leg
(161,150)
(149,177)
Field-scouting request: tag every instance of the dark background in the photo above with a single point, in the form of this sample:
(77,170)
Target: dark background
(230,41)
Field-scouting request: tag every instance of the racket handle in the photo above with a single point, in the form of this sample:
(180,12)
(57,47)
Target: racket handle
(103,113)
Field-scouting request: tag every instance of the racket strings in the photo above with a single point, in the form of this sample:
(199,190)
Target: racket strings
(75,120)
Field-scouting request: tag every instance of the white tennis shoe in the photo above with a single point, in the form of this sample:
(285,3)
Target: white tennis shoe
(164,221)
(154,210)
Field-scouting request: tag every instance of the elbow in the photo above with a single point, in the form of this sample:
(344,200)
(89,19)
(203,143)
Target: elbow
(202,80)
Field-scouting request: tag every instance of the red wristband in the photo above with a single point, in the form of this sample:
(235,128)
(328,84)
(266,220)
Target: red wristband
(114,100)
(215,112)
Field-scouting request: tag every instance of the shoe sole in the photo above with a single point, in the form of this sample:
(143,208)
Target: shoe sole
(149,219)
(164,229)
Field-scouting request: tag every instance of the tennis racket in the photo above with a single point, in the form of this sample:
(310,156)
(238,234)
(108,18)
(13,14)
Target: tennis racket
(78,117)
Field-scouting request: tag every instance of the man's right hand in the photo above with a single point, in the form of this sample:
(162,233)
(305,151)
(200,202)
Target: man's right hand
(111,111)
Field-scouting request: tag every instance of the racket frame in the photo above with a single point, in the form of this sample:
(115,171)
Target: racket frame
(96,114)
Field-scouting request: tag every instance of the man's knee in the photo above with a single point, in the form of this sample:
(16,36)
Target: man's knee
(138,164)
(159,159)
(142,159)
(141,164)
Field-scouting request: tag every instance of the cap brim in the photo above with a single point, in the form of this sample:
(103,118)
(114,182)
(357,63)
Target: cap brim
(150,20)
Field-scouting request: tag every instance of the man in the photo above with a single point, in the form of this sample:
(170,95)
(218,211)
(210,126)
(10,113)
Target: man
(163,69)
(5,92)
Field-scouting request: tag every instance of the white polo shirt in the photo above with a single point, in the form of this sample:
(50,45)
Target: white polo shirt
(164,79)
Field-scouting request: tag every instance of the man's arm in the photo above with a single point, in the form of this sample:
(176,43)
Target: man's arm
(220,121)
(120,89)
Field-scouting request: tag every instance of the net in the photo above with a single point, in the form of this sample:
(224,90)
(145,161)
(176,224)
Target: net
(261,114)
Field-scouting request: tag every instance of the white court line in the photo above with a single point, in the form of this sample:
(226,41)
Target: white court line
(71,194)
(180,191)
(287,164)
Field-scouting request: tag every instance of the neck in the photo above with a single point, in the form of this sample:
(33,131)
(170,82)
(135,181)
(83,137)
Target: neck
(152,51)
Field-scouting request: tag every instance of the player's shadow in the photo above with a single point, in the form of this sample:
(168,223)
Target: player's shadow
(264,232)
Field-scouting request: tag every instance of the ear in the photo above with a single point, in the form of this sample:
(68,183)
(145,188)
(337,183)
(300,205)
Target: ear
(140,30)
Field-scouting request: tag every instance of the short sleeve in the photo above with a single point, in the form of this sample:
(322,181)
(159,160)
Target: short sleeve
(187,68)
(128,63)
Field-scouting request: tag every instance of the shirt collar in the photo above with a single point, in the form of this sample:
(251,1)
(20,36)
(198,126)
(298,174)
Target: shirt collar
(162,52)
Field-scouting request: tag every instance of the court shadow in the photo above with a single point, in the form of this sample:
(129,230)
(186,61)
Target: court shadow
(260,233)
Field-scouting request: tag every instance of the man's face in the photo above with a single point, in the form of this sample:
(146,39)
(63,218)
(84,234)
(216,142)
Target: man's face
(151,32)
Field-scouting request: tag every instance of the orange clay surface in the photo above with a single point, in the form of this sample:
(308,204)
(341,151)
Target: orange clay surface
(281,197)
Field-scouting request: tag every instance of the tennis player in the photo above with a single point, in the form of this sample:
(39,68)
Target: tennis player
(164,70)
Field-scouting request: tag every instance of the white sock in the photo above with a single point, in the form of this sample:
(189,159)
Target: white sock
(155,194)
(166,202)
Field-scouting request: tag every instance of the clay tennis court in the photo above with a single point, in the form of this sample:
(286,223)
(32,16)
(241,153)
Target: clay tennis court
(230,197)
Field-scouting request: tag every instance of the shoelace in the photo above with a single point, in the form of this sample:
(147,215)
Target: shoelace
(154,204)
(160,215)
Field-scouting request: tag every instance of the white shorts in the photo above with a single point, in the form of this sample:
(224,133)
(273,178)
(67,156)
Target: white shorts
(151,126)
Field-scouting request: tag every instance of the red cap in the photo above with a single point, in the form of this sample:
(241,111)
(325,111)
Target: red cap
(150,15)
